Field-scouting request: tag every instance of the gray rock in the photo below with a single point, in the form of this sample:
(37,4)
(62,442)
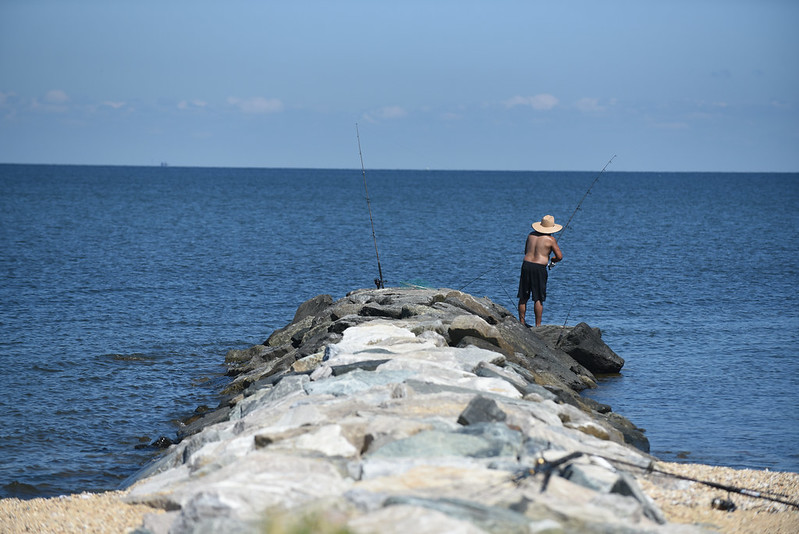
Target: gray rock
(247,360)
(481,410)
(363,408)
(405,519)
(483,308)
(550,366)
(479,441)
(376,310)
(211,418)
(489,518)
(288,386)
(367,365)
(626,485)
(313,307)
(472,326)
(591,476)
(585,345)
(284,336)
(355,382)
(487,369)
(472,341)
(632,434)
(240,356)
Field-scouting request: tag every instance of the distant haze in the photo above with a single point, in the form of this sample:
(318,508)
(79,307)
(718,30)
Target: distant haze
(709,85)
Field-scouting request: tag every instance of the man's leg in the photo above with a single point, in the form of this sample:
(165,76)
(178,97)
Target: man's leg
(538,308)
(522,310)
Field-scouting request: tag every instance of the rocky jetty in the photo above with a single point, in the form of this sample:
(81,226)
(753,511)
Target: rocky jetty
(408,410)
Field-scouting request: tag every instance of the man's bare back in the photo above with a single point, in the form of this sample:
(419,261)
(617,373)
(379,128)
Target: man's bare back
(538,248)
(533,277)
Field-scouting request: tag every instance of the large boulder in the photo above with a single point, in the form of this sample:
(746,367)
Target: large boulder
(313,307)
(551,366)
(584,344)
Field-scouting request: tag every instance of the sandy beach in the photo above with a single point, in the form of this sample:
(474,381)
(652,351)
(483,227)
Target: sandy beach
(681,501)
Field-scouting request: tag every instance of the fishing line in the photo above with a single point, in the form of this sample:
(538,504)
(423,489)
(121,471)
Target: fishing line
(566,226)
(379,279)
(505,291)
(477,278)
(579,204)
(563,328)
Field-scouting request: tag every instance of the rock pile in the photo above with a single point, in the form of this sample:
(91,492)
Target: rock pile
(408,410)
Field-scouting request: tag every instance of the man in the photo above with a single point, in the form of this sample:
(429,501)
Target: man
(533,280)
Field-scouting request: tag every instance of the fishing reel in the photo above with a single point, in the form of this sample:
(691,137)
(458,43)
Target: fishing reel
(379,283)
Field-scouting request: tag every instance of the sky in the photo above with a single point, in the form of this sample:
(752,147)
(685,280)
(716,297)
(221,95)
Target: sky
(669,85)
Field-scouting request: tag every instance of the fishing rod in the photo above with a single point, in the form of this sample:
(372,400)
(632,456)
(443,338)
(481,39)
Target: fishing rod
(757,494)
(566,226)
(547,468)
(379,279)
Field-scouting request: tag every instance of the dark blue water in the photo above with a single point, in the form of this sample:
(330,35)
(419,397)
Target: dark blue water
(122,288)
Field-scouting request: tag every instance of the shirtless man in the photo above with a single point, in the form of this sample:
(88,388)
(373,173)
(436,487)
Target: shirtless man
(533,279)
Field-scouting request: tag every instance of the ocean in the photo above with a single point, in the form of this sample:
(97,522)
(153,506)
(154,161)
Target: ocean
(122,288)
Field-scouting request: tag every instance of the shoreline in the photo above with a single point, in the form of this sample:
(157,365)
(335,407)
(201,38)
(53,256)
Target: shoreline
(683,503)
(406,346)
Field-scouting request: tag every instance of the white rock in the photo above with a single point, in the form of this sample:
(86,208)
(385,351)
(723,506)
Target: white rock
(326,440)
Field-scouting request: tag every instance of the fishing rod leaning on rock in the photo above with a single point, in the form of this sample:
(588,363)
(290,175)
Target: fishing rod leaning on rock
(549,467)
(379,279)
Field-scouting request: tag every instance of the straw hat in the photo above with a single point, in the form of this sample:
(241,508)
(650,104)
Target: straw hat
(547,225)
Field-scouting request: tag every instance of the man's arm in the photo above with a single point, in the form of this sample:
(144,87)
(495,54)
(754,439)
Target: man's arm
(558,255)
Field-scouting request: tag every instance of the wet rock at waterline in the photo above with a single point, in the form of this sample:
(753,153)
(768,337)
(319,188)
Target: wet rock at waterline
(585,345)
(405,410)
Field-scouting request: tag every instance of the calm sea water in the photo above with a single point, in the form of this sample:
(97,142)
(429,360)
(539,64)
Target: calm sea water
(122,288)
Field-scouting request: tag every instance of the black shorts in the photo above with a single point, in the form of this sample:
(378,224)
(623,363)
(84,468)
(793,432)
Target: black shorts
(533,281)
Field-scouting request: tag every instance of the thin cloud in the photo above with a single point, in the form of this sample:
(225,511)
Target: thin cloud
(391,112)
(675,125)
(54,101)
(56,96)
(590,105)
(450,116)
(5,98)
(256,105)
(193,104)
(9,104)
(540,102)
(386,113)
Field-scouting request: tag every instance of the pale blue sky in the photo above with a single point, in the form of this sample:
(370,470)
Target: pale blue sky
(679,85)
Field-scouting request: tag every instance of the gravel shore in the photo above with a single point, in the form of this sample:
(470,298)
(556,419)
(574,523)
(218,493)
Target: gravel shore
(89,513)
(681,501)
